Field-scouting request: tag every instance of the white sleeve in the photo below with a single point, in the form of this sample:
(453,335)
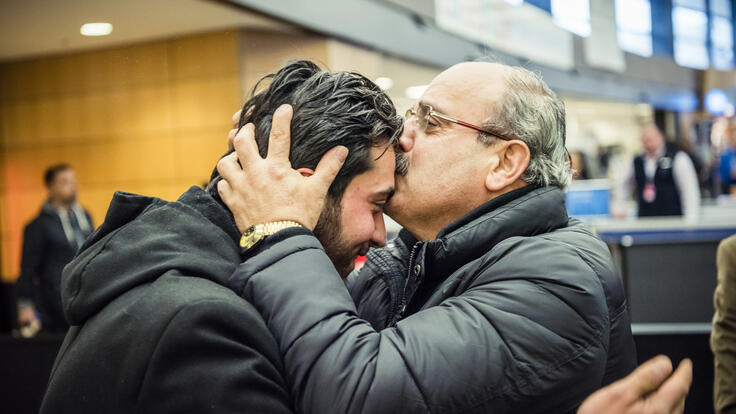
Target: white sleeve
(623,188)
(686,180)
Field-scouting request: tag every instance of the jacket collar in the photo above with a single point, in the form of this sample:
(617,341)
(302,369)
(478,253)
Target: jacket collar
(215,212)
(524,212)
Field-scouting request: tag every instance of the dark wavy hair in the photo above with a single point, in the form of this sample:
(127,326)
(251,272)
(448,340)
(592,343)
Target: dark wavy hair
(329,109)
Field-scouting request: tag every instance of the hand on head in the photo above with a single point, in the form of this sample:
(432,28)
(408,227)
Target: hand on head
(266,190)
(649,389)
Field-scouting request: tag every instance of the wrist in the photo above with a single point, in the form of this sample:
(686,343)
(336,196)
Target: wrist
(274,239)
(254,234)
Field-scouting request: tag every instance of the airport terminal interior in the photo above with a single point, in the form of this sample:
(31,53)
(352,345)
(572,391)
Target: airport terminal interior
(138,96)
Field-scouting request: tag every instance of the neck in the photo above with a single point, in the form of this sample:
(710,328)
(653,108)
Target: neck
(656,154)
(61,204)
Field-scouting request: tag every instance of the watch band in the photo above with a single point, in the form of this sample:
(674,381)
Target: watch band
(254,234)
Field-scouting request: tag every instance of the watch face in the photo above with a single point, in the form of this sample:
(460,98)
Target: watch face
(250,237)
(249,231)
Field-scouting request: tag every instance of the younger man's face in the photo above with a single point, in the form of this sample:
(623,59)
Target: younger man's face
(348,229)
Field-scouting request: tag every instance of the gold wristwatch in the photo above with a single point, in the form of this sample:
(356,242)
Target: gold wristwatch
(254,234)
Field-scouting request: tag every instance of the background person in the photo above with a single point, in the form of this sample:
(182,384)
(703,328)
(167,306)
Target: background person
(662,179)
(727,167)
(723,336)
(49,243)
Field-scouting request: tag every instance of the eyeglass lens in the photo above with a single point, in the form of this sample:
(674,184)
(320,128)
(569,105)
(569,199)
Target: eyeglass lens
(421,113)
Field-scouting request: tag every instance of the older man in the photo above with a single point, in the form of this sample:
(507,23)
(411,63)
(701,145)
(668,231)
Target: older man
(492,299)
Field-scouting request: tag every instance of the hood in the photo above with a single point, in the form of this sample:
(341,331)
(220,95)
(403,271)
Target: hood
(141,239)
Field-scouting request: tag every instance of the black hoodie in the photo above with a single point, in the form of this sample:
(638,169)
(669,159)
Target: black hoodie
(154,327)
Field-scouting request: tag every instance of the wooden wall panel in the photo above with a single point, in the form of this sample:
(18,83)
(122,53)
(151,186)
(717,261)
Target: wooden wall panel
(148,118)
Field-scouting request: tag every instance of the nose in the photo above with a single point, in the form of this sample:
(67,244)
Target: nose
(406,140)
(378,239)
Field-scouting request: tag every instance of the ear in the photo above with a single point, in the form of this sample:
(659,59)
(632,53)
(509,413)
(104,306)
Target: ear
(507,165)
(306,172)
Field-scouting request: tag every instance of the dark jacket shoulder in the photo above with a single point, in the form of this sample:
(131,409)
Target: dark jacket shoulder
(154,328)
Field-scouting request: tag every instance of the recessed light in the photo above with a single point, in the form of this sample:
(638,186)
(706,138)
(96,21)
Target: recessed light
(95,29)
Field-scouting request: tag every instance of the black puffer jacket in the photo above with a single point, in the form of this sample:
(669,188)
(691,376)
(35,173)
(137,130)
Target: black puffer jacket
(522,312)
(154,328)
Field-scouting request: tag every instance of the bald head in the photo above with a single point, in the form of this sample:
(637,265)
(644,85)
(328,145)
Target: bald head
(478,86)
(513,102)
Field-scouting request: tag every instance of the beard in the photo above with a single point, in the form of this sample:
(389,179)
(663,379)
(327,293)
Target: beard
(329,232)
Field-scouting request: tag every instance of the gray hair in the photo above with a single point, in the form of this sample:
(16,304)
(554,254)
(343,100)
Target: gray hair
(532,113)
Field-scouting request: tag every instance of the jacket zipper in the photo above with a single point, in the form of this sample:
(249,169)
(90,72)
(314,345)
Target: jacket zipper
(404,301)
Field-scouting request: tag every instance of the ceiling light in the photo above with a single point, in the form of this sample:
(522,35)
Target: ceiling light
(384,83)
(95,29)
(415,92)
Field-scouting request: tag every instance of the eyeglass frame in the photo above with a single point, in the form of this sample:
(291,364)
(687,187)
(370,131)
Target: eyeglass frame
(412,112)
(431,112)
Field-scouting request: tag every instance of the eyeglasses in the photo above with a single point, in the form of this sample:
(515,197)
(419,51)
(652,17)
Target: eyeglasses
(424,111)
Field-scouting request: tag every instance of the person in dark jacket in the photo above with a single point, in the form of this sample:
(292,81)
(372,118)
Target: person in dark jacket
(491,300)
(49,243)
(155,326)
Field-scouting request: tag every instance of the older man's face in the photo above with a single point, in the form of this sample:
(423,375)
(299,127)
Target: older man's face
(446,174)
(652,140)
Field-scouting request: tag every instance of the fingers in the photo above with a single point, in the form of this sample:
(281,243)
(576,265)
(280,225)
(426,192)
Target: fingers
(279,141)
(671,395)
(647,377)
(245,145)
(236,117)
(228,168)
(329,166)
(231,137)
(225,191)
(236,122)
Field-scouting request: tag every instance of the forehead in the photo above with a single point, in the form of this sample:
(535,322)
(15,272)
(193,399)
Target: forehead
(466,90)
(378,179)
(64,174)
(650,133)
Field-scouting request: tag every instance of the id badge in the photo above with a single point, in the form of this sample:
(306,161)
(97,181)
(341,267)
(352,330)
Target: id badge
(650,193)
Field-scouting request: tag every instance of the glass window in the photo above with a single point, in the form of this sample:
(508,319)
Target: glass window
(572,15)
(721,7)
(690,31)
(690,4)
(634,26)
(721,34)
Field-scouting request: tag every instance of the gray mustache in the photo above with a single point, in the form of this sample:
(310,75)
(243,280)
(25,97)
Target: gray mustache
(402,163)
